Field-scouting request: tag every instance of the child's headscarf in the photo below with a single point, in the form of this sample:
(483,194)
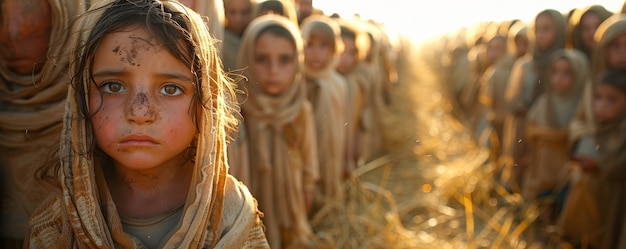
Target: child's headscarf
(89,213)
(558,110)
(574,27)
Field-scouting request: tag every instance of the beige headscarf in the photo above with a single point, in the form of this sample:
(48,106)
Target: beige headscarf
(31,110)
(541,58)
(574,39)
(328,92)
(283,151)
(584,123)
(556,111)
(84,214)
(287,9)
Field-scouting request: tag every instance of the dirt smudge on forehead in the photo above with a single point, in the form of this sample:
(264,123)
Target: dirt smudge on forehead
(129,51)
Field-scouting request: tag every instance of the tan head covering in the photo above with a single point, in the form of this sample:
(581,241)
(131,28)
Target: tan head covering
(283,152)
(85,210)
(279,7)
(574,39)
(541,58)
(328,92)
(31,110)
(554,110)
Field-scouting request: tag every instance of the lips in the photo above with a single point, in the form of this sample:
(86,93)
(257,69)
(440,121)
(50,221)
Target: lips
(138,140)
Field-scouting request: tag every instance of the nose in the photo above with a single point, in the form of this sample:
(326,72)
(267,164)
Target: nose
(141,109)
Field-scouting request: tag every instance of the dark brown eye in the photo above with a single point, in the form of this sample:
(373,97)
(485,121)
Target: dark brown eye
(171,90)
(113,87)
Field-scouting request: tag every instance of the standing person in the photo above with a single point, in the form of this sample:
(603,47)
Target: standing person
(350,66)
(583,25)
(610,110)
(546,131)
(34,35)
(327,91)
(526,83)
(495,80)
(280,125)
(142,159)
(238,14)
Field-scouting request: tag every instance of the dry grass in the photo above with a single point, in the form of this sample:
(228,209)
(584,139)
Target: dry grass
(435,188)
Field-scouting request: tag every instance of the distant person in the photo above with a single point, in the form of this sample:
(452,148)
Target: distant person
(238,14)
(34,37)
(142,161)
(582,27)
(305,8)
(213,11)
(327,91)
(284,164)
(494,81)
(284,8)
(526,84)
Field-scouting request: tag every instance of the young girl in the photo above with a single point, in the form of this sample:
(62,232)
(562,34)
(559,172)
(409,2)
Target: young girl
(610,111)
(351,66)
(525,85)
(495,79)
(328,92)
(548,121)
(238,14)
(142,156)
(281,130)
(32,94)
(583,25)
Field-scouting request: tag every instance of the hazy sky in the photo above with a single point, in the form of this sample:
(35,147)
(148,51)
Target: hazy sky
(422,19)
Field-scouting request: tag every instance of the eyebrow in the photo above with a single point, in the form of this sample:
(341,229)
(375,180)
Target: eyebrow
(117,72)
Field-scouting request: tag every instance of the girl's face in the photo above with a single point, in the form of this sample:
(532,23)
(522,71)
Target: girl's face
(348,59)
(562,76)
(496,48)
(318,52)
(274,63)
(238,13)
(24,34)
(616,53)
(521,45)
(140,101)
(609,102)
(545,32)
(588,26)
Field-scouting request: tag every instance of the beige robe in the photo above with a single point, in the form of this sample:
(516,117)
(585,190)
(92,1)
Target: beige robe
(31,114)
(546,131)
(327,90)
(218,211)
(283,148)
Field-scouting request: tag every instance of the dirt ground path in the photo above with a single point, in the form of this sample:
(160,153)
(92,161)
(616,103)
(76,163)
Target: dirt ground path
(432,188)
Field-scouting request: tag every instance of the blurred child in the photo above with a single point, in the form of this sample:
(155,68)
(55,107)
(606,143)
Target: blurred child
(526,83)
(610,112)
(495,79)
(284,8)
(34,37)
(548,121)
(238,14)
(327,90)
(583,25)
(142,156)
(280,125)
